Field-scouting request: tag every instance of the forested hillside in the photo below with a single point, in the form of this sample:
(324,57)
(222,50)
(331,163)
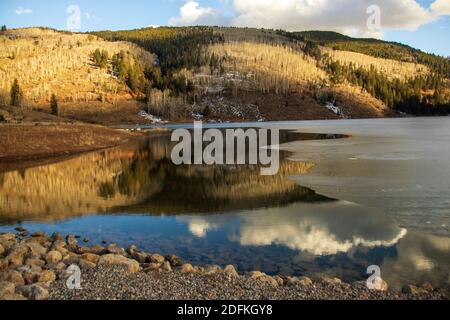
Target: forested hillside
(219,74)
(46,62)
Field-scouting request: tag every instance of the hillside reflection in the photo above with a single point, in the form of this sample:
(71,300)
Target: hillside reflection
(141,178)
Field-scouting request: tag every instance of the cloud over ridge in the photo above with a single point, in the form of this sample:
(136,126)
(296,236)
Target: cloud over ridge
(345,16)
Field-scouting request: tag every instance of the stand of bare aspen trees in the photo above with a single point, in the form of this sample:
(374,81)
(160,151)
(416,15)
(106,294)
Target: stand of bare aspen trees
(271,68)
(47,62)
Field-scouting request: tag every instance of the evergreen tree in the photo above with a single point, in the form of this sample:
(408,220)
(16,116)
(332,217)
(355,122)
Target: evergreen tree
(16,94)
(4,28)
(54,105)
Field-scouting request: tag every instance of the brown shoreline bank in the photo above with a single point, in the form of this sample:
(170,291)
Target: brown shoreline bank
(26,144)
(35,267)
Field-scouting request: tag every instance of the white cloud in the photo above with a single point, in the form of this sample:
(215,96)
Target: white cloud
(441,7)
(23,11)
(191,13)
(346,16)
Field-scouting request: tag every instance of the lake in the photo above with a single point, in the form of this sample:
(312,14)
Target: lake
(380,196)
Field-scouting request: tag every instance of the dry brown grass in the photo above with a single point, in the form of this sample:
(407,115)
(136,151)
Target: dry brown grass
(24,142)
(391,68)
(47,62)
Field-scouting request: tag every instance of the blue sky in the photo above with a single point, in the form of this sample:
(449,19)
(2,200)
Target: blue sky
(419,23)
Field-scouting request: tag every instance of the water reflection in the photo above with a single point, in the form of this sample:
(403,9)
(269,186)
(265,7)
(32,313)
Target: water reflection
(217,214)
(142,178)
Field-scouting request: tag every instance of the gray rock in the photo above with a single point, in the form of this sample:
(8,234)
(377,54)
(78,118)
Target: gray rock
(34,292)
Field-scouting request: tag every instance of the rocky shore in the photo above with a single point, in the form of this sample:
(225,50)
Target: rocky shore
(36,267)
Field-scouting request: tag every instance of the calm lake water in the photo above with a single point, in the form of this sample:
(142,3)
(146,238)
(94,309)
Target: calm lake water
(337,206)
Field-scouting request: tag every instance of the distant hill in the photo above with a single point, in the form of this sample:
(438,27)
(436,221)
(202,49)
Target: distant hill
(376,48)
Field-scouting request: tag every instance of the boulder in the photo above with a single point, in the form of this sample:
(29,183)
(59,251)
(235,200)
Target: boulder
(118,260)
(53,257)
(114,249)
(230,270)
(14,277)
(304,281)
(45,241)
(86,265)
(4,264)
(268,279)
(8,236)
(166,266)
(212,269)
(152,267)
(187,268)
(57,237)
(413,290)
(157,258)
(332,280)
(93,258)
(35,262)
(34,292)
(38,234)
(427,286)
(255,275)
(16,254)
(6,288)
(132,249)
(279,280)
(47,276)
(31,277)
(13,297)
(37,249)
(71,240)
(140,257)
(174,260)
(99,250)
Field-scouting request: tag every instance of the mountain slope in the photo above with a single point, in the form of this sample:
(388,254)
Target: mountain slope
(48,62)
(218,74)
